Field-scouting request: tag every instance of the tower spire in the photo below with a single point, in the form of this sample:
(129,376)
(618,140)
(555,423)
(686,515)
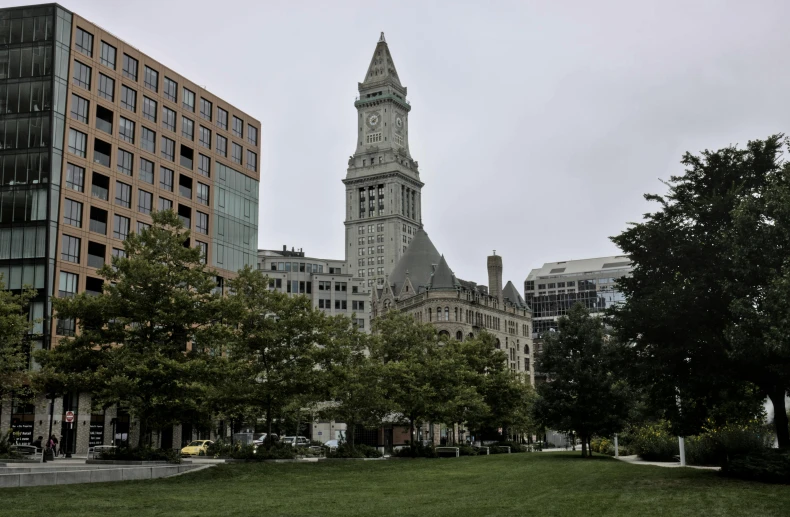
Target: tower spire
(382,68)
(381,39)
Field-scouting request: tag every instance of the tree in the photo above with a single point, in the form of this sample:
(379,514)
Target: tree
(14,343)
(277,343)
(132,347)
(583,395)
(706,305)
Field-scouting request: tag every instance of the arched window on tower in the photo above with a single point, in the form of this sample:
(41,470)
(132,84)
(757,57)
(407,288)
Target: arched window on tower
(438,314)
(498,344)
(459,335)
(518,345)
(447,314)
(456,313)
(526,350)
(429,314)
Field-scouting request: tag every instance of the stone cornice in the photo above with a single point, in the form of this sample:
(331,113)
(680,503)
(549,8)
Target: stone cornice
(382,175)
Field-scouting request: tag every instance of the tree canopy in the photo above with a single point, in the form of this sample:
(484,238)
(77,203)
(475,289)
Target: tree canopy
(14,343)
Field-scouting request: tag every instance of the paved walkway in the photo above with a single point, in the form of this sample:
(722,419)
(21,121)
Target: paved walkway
(672,464)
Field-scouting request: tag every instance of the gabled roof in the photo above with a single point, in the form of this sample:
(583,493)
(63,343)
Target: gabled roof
(511,293)
(417,263)
(382,67)
(443,277)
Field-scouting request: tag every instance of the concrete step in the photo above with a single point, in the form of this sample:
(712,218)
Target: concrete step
(89,474)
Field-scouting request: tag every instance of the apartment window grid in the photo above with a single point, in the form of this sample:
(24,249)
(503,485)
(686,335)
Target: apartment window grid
(188,99)
(205,137)
(78,142)
(166,179)
(238,127)
(236,153)
(83,41)
(106,87)
(148,140)
(82,75)
(165,204)
(72,213)
(187,128)
(75,177)
(79,108)
(146,171)
(205,109)
(67,285)
(145,201)
(120,227)
(222,118)
(252,161)
(128,98)
(130,67)
(125,162)
(252,134)
(170,89)
(202,194)
(203,251)
(222,146)
(108,53)
(151,79)
(168,119)
(168,149)
(201,223)
(70,249)
(126,130)
(204,165)
(149,108)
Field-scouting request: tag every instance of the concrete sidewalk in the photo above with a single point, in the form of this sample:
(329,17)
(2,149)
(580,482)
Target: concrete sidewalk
(634,460)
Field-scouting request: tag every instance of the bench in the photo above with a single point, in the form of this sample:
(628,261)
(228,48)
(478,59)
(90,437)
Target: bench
(506,447)
(29,451)
(481,447)
(98,449)
(456,450)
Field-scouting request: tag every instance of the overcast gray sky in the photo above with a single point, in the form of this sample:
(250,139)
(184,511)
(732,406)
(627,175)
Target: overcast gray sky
(538,125)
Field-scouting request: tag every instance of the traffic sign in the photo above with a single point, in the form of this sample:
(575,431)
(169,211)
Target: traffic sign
(69,416)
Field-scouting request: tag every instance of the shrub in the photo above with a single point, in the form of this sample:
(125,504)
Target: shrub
(654,442)
(278,451)
(141,454)
(419,451)
(514,447)
(767,465)
(359,451)
(5,446)
(467,450)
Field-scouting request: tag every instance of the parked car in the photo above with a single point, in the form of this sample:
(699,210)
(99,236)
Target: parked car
(261,437)
(296,441)
(196,448)
(333,444)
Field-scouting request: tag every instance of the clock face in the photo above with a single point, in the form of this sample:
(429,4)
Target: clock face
(399,122)
(373,120)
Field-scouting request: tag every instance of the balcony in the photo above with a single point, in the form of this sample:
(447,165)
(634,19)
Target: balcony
(100,192)
(100,186)
(96,254)
(103,125)
(101,158)
(101,152)
(95,261)
(185,191)
(98,220)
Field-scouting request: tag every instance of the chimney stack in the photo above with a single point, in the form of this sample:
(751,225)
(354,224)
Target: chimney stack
(495,277)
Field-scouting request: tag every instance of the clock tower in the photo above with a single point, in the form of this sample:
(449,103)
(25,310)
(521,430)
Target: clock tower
(383,203)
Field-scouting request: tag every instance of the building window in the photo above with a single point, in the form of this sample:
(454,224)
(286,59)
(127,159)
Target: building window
(252,161)
(201,224)
(398,139)
(70,249)
(82,75)
(168,118)
(170,89)
(149,109)
(145,201)
(205,137)
(166,179)
(222,118)
(68,284)
(148,140)
(79,108)
(75,177)
(120,227)
(78,142)
(373,138)
(202,194)
(142,226)
(151,79)
(188,98)
(123,194)
(128,98)
(126,130)
(165,204)
(187,128)
(205,108)
(204,165)
(72,213)
(107,57)
(130,67)
(146,171)
(238,127)
(83,41)
(203,251)
(168,149)
(106,87)
(65,327)
(236,154)
(222,145)
(361,230)
(252,135)
(125,162)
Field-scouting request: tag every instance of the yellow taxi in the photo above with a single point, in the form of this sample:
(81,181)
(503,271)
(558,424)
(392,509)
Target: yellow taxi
(196,448)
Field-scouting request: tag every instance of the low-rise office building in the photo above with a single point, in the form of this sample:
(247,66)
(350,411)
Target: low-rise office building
(324,281)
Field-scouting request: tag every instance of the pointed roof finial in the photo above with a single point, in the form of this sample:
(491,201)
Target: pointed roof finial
(381,39)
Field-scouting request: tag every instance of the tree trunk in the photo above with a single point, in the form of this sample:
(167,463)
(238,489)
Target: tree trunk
(777,397)
(412,438)
(352,427)
(584,446)
(269,440)
(143,432)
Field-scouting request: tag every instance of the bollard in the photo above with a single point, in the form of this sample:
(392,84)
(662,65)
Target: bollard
(682,445)
(616,447)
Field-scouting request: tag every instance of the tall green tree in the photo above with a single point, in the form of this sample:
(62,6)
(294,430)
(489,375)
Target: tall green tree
(278,342)
(707,303)
(133,341)
(584,395)
(14,343)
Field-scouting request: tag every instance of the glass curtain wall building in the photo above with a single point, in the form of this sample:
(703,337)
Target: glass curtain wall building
(94,137)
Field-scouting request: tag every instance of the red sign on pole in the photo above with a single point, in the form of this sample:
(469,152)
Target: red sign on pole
(69,416)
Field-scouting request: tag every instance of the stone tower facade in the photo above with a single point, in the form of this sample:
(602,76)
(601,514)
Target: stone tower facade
(383,202)
(494,264)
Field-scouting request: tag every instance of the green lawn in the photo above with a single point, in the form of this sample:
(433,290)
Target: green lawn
(544,484)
